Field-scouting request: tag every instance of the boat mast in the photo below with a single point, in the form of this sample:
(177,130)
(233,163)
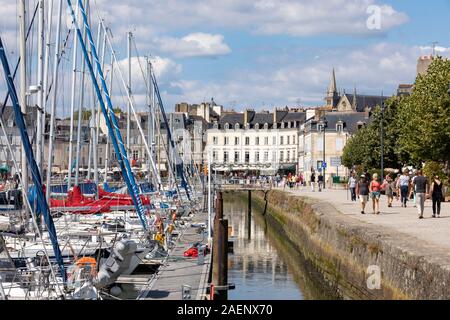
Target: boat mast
(40,97)
(23,88)
(46,71)
(107,131)
(80,114)
(54,101)
(150,118)
(93,122)
(111,121)
(72,107)
(99,110)
(130,37)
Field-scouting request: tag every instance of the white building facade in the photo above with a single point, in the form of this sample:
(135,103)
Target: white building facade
(249,141)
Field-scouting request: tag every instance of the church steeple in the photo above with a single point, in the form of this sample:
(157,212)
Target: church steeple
(332,94)
(332,88)
(354,103)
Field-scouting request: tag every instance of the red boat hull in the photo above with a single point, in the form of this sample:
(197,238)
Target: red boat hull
(75,199)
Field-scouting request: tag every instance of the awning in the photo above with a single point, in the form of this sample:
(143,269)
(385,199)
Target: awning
(288,167)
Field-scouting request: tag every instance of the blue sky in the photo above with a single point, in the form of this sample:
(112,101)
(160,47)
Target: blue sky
(267,53)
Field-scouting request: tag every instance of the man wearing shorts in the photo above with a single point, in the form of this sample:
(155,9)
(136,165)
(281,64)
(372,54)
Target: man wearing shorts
(362,190)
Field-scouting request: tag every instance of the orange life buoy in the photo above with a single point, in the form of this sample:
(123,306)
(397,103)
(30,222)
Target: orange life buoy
(87,262)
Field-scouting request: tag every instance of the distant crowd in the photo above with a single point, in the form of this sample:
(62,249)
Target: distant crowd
(409,186)
(404,188)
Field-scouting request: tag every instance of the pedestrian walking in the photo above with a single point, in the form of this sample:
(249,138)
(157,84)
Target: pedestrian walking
(313,181)
(389,188)
(362,190)
(437,195)
(420,185)
(352,186)
(397,190)
(375,193)
(413,191)
(404,185)
(321,182)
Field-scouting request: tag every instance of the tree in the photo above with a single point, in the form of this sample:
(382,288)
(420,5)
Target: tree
(424,117)
(85,115)
(364,148)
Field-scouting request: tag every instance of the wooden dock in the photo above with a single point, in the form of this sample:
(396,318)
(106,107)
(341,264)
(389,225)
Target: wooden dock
(178,271)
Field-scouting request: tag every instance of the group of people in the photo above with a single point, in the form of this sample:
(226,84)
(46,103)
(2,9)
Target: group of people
(296,181)
(404,188)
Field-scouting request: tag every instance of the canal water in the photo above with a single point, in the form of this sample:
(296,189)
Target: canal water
(264,266)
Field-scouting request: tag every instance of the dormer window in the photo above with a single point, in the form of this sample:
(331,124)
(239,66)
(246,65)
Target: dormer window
(339,127)
(320,127)
(289,125)
(266,126)
(247,126)
(282,125)
(237,126)
(216,125)
(257,126)
(227,126)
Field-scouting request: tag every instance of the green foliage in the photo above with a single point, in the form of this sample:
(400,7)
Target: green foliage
(416,128)
(364,148)
(424,118)
(85,114)
(432,169)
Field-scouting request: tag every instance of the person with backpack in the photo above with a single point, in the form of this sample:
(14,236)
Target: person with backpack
(321,182)
(437,195)
(362,190)
(389,188)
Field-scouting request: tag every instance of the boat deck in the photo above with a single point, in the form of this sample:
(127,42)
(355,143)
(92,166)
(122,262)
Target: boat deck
(178,270)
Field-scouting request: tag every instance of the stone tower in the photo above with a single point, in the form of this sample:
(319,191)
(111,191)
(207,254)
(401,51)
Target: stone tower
(423,64)
(332,94)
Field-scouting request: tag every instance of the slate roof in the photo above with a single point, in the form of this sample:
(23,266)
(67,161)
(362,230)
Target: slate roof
(349,119)
(363,101)
(261,118)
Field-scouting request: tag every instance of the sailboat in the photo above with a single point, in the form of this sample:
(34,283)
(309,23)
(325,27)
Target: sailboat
(76,240)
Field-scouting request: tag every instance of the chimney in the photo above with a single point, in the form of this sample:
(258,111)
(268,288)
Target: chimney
(275,116)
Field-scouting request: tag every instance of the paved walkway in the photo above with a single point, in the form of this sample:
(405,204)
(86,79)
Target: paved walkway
(179,271)
(405,220)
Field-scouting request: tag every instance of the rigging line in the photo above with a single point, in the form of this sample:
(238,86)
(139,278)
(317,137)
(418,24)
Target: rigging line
(110,120)
(140,65)
(61,55)
(20,123)
(131,102)
(18,61)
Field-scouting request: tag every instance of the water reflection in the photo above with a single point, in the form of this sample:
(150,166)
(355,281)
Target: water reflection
(256,268)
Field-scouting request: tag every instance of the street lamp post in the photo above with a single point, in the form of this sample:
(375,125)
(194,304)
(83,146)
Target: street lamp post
(324,125)
(382,139)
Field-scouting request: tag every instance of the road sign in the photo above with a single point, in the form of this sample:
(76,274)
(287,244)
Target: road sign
(324,165)
(336,162)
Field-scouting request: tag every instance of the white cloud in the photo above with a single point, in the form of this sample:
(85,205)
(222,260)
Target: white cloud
(292,17)
(195,45)
(372,69)
(438,49)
